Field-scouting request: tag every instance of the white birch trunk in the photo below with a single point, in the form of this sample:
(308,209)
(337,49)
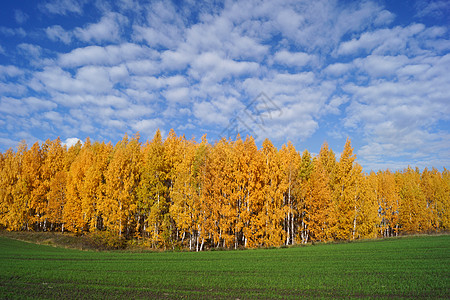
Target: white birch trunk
(354,224)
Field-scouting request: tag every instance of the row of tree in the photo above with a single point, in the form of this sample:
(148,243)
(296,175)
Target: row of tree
(177,192)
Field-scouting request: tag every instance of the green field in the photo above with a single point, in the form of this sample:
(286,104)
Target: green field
(409,267)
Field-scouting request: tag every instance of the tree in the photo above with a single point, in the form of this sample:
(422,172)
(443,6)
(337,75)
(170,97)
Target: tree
(222,192)
(387,196)
(436,191)
(180,193)
(319,214)
(32,175)
(366,217)
(154,188)
(172,158)
(443,202)
(74,217)
(346,194)
(14,195)
(186,208)
(318,208)
(122,179)
(290,160)
(218,194)
(274,209)
(304,174)
(93,187)
(412,207)
(54,179)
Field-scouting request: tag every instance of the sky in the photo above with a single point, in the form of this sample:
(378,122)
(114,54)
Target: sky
(309,72)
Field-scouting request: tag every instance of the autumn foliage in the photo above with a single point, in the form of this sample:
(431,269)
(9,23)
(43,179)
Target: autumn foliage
(184,194)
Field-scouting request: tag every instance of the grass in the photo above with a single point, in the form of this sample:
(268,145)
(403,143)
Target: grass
(57,239)
(408,267)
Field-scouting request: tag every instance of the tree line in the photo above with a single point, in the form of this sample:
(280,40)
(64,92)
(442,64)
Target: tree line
(176,192)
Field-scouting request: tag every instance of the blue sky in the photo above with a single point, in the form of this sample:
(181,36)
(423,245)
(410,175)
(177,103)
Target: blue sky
(301,71)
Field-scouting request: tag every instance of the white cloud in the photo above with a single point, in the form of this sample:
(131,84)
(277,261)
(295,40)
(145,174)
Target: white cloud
(381,66)
(24,106)
(298,101)
(399,117)
(93,79)
(320,25)
(140,96)
(304,78)
(62,7)
(430,149)
(175,60)
(109,55)
(211,67)
(335,103)
(108,29)
(384,17)
(296,59)
(164,28)
(20,16)
(12,89)
(177,95)
(218,35)
(328,68)
(8,143)
(57,79)
(175,81)
(338,69)
(153,37)
(12,106)
(243,47)
(143,67)
(12,31)
(229,105)
(31,51)
(54,117)
(146,83)
(36,104)
(382,41)
(118,73)
(147,127)
(10,71)
(132,112)
(289,21)
(208,113)
(289,132)
(57,33)
(434,8)
(69,142)
(414,70)
(131,5)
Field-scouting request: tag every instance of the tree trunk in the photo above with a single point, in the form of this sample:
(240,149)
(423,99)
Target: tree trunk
(292,230)
(354,224)
(201,246)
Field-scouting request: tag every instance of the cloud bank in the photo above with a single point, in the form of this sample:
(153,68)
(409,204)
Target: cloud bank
(334,70)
